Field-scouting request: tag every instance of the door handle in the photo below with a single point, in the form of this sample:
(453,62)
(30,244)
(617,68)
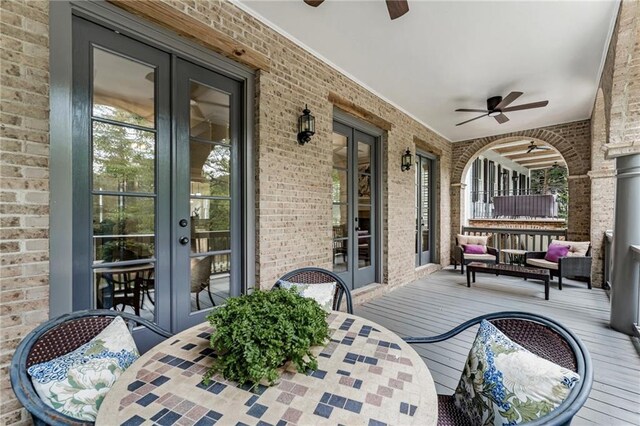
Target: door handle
(184,241)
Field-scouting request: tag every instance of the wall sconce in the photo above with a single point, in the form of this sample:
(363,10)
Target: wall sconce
(407,160)
(306,126)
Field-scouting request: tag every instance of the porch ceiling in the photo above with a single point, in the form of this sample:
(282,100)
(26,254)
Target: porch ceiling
(536,159)
(444,55)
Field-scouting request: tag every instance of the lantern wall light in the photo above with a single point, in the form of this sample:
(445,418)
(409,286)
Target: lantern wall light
(306,126)
(407,160)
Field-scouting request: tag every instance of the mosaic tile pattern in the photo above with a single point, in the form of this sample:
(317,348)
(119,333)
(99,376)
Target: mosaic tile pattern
(366,376)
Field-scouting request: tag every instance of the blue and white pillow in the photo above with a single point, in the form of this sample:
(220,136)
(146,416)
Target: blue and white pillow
(322,293)
(76,383)
(504,384)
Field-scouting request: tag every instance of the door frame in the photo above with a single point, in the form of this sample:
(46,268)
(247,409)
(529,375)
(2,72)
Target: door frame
(60,154)
(347,119)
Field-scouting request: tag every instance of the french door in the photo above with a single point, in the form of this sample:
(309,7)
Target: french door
(424,209)
(156,192)
(354,205)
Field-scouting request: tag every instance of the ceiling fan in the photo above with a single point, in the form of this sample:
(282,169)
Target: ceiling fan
(533,147)
(396,8)
(497,106)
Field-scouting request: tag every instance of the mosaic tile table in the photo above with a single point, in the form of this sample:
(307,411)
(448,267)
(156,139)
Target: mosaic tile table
(366,375)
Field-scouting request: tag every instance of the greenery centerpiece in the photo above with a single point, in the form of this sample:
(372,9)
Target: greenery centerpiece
(256,335)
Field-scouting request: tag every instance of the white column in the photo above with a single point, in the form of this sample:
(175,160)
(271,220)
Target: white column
(625,274)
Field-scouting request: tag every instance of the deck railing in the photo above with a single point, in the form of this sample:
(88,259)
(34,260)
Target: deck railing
(522,239)
(525,203)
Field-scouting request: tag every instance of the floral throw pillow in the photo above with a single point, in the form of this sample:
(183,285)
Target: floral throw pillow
(322,293)
(76,383)
(504,384)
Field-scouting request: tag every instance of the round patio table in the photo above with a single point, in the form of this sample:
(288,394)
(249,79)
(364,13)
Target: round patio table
(366,375)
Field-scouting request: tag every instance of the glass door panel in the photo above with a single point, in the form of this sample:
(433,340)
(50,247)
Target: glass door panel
(340,216)
(123,152)
(424,209)
(208,189)
(353,205)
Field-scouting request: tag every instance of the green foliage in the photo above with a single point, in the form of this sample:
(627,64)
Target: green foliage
(257,333)
(552,181)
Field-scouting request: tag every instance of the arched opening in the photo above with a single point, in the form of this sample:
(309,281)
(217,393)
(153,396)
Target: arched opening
(521,181)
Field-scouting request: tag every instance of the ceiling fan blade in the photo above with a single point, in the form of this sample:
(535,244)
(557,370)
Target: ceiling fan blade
(526,106)
(501,118)
(543,148)
(471,110)
(397,8)
(314,3)
(506,101)
(531,148)
(480,116)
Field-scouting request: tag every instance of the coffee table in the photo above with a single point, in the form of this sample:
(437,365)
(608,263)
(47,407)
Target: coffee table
(509,270)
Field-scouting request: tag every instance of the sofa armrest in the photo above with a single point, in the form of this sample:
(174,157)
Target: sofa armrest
(494,251)
(575,266)
(458,254)
(534,255)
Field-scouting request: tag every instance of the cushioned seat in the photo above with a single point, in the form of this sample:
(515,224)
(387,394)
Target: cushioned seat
(541,336)
(541,263)
(490,254)
(575,264)
(479,257)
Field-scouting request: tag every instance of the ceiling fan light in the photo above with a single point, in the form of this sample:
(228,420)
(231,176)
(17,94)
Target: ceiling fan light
(494,113)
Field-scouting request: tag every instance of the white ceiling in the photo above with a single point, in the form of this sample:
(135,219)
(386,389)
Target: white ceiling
(444,55)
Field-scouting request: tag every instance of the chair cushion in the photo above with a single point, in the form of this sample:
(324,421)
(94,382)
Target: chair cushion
(555,252)
(474,249)
(576,248)
(322,293)
(76,383)
(472,239)
(504,384)
(541,263)
(479,257)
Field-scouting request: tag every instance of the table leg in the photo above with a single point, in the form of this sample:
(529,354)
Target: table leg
(474,276)
(546,288)
(468,277)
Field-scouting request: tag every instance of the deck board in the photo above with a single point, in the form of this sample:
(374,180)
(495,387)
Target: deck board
(441,301)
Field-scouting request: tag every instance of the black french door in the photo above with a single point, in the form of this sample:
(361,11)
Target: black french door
(425,179)
(354,205)
(156,193)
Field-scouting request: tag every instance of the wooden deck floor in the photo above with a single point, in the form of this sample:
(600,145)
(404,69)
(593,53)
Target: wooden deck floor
(441,301)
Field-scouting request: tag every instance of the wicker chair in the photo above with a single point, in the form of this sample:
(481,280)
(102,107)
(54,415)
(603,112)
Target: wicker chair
(320,276)
(52,339)
(492,255)
(201,278)
(569,267)
(545,338)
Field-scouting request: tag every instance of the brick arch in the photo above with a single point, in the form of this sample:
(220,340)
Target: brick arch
(576,162)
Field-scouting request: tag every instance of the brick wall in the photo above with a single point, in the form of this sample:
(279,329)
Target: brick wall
(293,188)
(572,140)
(24,186)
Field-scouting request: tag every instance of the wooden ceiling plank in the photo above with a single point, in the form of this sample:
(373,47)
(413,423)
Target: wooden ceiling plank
(534,154)
(192,29)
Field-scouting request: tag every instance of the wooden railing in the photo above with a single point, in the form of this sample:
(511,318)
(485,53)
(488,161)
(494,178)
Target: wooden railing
(523,239)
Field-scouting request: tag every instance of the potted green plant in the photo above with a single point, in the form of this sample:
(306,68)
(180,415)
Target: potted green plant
(256,335)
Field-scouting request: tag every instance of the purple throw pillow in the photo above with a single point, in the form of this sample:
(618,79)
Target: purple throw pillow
(555,252)
(474,249)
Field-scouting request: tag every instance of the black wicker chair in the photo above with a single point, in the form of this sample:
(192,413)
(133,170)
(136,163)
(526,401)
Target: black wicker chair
(492,256)
(578,267)
(320,276)
(542,336)
(52,339)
